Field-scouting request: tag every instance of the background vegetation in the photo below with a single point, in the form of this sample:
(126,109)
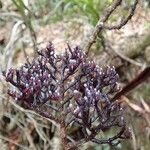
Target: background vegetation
(27,25)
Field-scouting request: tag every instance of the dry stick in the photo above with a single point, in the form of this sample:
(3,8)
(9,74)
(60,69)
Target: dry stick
(100,25)
(62,130)
(134,83)
(125,21)
(63,134)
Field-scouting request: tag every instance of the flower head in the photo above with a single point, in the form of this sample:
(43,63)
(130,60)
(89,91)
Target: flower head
(70,83)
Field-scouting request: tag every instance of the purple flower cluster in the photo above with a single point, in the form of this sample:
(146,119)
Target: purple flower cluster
(71,83)
(36,81)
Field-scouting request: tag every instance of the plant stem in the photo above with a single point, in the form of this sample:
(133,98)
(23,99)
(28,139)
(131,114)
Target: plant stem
(63,135)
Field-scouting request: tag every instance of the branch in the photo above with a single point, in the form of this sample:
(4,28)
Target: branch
(125,21)
(144,75)
(100,25)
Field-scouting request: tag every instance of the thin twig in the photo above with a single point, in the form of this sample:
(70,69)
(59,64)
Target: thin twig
(125,21)
(101,23)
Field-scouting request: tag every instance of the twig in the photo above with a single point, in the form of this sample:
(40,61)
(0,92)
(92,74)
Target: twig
(100,25)
(63,135)
(145,74)
(125,21)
